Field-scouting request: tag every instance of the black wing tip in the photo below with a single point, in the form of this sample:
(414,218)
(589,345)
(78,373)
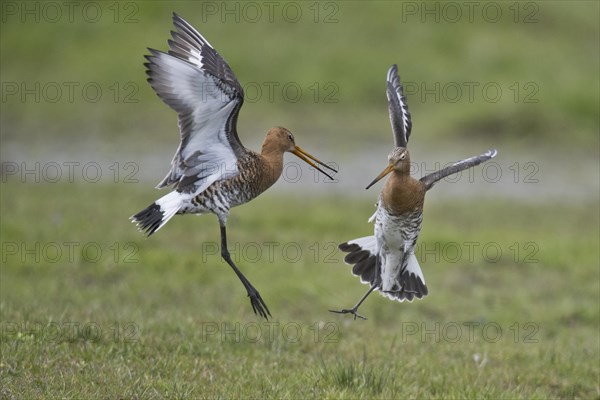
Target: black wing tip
(185,28)
(181,25)
(153,53)
(178,18)
(149,219)
(393,78)
(392,72)
(151,59)
(393,82)
(395,94)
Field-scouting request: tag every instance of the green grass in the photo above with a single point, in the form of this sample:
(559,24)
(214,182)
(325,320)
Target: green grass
(160,318)
(89,308)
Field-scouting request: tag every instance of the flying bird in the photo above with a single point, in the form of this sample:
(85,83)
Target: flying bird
(386,261)
(211,171)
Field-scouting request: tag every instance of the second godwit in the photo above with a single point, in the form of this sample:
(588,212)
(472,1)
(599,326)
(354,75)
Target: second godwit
(386,261)
(211,171)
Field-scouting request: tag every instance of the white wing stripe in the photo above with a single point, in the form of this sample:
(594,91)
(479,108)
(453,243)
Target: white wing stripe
(206,105)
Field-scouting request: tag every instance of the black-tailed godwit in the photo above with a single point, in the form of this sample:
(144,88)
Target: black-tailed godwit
(386,261)
(211,171)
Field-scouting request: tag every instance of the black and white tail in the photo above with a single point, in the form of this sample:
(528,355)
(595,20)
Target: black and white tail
(153,217)
(362,254)
(412,282)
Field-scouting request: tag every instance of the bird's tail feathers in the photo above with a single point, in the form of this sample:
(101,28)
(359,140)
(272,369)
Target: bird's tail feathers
(410,283)
(156,215)
(363,256)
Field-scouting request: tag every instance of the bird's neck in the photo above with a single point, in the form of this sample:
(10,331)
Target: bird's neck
(271,166)
(402,193)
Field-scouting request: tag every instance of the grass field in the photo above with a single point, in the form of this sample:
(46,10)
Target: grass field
(89,308)
(121,316)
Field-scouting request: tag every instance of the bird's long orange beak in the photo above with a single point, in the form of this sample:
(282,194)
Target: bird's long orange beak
(383,173)
(304,156)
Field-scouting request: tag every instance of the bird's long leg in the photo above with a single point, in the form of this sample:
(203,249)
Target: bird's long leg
(376,283)
(258,305)
(354,309)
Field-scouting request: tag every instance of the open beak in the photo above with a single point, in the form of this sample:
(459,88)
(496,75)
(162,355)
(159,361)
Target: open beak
(303,155)
(383,173)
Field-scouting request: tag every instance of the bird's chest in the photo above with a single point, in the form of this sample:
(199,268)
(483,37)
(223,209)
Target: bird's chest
(400,212)
(394,231)
(402,194)
(255,177)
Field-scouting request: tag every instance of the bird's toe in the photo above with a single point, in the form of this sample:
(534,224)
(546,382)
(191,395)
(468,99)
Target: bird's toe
(258,305)
(352,311)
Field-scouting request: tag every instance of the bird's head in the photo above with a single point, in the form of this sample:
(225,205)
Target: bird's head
(398,160)
(281,140)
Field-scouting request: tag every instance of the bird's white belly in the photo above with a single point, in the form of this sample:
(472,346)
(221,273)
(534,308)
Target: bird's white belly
(395,235)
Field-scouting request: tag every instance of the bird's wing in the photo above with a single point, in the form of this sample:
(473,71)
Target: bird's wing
(194,80)
(399,115)
(431,179)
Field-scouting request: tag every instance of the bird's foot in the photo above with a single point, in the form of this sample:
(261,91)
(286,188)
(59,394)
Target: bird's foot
(258,304)
(349,311)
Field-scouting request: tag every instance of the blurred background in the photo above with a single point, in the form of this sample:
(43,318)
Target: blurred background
(521,77)
(84,139)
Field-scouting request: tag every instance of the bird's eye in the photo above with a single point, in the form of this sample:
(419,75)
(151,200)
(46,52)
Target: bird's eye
(403,156)
(290,137)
